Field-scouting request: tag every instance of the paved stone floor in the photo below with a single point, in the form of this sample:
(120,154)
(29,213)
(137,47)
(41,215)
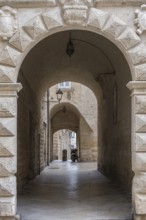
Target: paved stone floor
(73,191)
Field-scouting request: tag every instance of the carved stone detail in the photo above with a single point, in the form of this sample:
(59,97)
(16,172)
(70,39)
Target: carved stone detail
(97,18)
(7,108)
(75,14)
(140,142)
(115,26)
(140,106)
(7,128)
(129,39)
(4,152)
(9,164)
(75,11)
(140,72)
(20,40)
(138,54)
(5,193)
(35,27)
(52,18)
(138,161)
(7,74)
(3,171)
(140,19)
(8,22)
(141,123)
(9,56)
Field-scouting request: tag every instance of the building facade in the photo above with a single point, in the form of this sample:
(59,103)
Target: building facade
(109,57)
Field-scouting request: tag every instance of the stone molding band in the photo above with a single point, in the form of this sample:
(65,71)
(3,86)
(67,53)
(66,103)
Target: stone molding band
(49,3)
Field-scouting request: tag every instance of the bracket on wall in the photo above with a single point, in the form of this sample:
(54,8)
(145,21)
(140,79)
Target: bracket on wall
(104,74)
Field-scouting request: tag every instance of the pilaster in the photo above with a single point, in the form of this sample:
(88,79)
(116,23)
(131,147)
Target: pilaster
(8,149)
(138,89)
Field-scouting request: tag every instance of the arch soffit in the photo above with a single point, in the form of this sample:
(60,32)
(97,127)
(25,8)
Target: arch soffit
(58,107)
(56,19)
(70,108)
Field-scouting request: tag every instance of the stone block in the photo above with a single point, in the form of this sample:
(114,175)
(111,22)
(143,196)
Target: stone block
(140,104)
(139,161)
(140,123)
(140,142)
(7,127)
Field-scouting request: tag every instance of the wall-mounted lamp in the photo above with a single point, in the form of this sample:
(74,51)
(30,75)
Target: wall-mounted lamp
(59,94)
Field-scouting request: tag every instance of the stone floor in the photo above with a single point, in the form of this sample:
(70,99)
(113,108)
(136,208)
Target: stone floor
(73,191)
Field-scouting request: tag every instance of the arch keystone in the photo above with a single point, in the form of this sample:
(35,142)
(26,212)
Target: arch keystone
(52,18)
(97,18)
(35,27)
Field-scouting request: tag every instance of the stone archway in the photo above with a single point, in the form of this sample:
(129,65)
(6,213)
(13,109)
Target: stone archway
(59,17)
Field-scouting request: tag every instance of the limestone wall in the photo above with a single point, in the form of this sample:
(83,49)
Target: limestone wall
(31,134)
(85,101)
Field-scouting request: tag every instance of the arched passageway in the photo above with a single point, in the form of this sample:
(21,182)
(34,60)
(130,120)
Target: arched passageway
(99,65)
(108,55)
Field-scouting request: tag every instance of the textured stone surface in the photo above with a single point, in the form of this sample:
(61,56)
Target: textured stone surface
(52,18)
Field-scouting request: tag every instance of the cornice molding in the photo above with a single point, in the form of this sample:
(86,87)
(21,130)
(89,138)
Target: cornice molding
(50,3)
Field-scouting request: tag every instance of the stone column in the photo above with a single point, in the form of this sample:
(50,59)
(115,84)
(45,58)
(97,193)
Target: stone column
(139,147)
(8,149)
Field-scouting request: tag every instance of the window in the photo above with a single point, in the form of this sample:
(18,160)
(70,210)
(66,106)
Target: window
(64,85)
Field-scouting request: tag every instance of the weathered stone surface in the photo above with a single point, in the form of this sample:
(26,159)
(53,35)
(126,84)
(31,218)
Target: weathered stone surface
(140,72)
(4,172)
(7,107)
(21,40)
(140,123)
(140,20)
(75,14)
(139,192)
(4,152)
(8,22)
(97,18)
(6,209)
(114,26)
(138,54)
(52,18)
(7,127)
(9,164)
(140,142)
(7,74)
(140,104)
(139,161)
(9,56)
(34,28)
(128,38)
